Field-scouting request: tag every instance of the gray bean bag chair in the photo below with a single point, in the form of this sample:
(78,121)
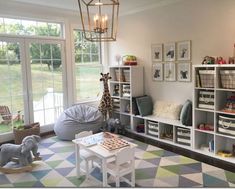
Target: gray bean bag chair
(76,119)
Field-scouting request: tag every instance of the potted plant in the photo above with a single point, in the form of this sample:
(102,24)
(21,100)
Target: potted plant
(22,131)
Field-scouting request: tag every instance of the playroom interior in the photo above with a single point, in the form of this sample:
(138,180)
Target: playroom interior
(117,93)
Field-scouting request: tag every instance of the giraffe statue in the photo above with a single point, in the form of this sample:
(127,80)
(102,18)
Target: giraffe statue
(106,103)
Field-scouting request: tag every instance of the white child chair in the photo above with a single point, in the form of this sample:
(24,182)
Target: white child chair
(123,165)
(85,155)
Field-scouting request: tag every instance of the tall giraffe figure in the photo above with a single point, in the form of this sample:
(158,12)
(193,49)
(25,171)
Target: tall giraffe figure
(106,103)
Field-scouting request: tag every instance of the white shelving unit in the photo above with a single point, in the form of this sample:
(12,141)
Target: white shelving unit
(133,76)
(126,82)
(191,138)
(202,138)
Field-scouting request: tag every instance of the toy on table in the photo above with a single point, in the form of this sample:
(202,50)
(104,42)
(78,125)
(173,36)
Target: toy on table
(114,143)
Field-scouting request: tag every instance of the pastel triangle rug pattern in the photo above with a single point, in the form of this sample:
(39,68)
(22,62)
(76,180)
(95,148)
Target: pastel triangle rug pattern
(155,167)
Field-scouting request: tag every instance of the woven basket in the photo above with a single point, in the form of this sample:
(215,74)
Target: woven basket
(31,129)
(119,76)
(228,79)
(126,75)
(207,78)
(226,125)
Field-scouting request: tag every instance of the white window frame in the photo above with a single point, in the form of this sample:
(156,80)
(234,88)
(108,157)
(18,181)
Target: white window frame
(88,100)
(24,41)
(62,36)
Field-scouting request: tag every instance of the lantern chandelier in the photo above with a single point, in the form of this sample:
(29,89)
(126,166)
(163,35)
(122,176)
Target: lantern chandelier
(99,19)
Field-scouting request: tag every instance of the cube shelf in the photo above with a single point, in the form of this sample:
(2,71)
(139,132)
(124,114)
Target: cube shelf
(221,138)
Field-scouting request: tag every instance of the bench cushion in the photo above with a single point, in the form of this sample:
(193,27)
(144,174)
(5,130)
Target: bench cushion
(167,109)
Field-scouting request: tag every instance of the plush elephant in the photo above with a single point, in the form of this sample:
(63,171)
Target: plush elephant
(113,125)
(21,152)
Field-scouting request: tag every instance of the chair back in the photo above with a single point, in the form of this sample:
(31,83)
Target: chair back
(124,155)
(83,134)
(5,113)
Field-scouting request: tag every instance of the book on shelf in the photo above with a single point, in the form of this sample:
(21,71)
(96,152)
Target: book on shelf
(198,81)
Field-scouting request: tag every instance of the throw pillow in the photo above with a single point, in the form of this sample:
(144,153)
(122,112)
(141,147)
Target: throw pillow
(169,110)
(135,110)
(186,113)
(145,105)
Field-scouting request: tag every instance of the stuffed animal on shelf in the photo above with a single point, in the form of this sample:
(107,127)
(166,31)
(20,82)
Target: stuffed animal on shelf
(220,60)
(22,152)
(208,60)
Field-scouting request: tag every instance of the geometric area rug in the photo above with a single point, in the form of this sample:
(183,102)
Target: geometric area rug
(154,167)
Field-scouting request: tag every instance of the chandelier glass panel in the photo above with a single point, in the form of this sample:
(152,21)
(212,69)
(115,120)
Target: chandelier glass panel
(99,19)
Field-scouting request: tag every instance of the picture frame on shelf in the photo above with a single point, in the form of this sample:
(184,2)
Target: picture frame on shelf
(157,72)
(169,72)
(184,71)
(169,52)
(156,51)
(184,50)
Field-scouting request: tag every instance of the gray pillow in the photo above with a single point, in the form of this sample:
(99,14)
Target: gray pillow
(145,105)
(186,113)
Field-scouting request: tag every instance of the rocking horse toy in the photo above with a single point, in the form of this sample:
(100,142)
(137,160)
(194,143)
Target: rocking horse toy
(18,158)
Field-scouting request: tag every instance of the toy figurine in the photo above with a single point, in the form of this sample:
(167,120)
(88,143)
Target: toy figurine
(208,60)
(231,60)
(220,60)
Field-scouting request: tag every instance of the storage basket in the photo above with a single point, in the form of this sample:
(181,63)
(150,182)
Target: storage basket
(226,125)
(228,79)
(207,78)
(119,76)
(152,128)
(126,75)
(31,129)
(126,91)
(183,136)
(206,99)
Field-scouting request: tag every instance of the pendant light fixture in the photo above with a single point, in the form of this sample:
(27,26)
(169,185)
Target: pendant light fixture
(99,19)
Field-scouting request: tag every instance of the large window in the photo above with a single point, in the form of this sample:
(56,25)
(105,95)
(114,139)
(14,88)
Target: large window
(31,72)
(11,87)
(28,27)
(47,81)
(87,67)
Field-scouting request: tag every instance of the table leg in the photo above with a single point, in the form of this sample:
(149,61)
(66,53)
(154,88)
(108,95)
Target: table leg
(77,154)
(104,167)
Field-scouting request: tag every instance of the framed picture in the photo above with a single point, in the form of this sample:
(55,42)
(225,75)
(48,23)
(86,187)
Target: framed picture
(169,52)
(184,50)
(157,72)
(184,71)
(169,72)
(156,52)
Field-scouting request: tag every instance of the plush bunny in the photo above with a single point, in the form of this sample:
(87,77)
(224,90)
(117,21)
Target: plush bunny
(21,152)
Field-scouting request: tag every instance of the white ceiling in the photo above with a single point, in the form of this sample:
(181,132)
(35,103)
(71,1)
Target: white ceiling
(126,6)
